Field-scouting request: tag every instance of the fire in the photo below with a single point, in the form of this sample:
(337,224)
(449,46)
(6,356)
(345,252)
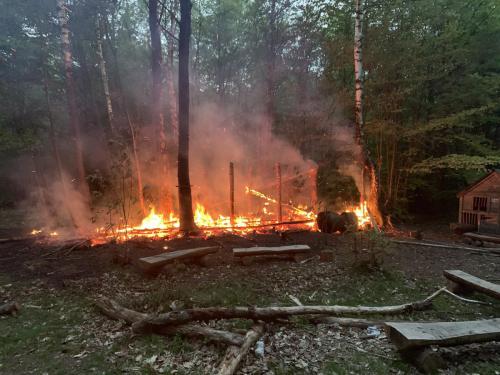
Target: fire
(157,225)
(362,214)
(153,221)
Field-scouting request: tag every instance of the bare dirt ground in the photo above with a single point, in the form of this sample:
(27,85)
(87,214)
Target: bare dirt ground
(59,330)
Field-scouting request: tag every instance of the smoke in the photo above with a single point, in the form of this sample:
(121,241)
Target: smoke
(220,136)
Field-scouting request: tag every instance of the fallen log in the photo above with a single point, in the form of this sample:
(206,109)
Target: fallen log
(277,250)
(115,311)
(155,324)
(10,308)
(234,354)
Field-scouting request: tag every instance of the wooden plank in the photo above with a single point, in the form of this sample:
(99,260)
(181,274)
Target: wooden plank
(277,250)
(483,237)
(157,261)
(472,282)
(412,335)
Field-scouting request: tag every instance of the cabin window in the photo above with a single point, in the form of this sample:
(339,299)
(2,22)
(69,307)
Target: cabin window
(480,203)
(494,204)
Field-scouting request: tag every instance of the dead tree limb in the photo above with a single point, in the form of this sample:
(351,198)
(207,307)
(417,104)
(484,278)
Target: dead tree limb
(234,354)
(10,308)
(155,324)
(114,310)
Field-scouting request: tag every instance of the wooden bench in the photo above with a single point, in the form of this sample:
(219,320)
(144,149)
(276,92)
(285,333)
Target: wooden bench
(480,238)
(465,282)
(154,263)
(413,339)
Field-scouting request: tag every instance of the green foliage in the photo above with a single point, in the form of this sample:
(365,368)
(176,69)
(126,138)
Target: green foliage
(370,247)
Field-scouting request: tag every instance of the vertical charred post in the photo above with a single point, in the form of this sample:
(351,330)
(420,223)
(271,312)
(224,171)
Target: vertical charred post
(231,191)
(279,191)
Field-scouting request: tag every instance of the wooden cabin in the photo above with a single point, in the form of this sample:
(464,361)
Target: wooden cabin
(480,202)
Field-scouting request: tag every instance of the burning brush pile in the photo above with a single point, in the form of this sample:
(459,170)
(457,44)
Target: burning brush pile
(161,226)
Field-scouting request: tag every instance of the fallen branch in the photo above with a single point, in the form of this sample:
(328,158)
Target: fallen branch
(450,293)
(11,308)
(446,246)
(115,311)
(155,324)
(234,355)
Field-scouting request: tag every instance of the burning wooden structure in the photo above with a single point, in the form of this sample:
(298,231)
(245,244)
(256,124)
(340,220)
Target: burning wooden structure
(480,203)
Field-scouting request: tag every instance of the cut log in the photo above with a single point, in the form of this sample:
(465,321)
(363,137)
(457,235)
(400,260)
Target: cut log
(11,308)
(154,263)
(115,311)
(234,355)
(475,283)
(154,324)
(413,335)
(278,250)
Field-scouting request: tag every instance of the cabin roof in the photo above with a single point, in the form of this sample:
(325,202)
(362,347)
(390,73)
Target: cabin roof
(495,172)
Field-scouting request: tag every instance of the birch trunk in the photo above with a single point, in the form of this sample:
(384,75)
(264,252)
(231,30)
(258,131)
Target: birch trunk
(71,97)
(187,224)
(104,77)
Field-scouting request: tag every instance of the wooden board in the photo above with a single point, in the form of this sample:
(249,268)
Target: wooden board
(472,282)
(483,237)
(277,250)
(157,261)
(413,335)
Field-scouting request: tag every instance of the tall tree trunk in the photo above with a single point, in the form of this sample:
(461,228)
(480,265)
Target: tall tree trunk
(367,167)
(172,102)
(132,128)
(270,79)
(157,94)
(55,147)
(71,98)
(187,224)
(104,77)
